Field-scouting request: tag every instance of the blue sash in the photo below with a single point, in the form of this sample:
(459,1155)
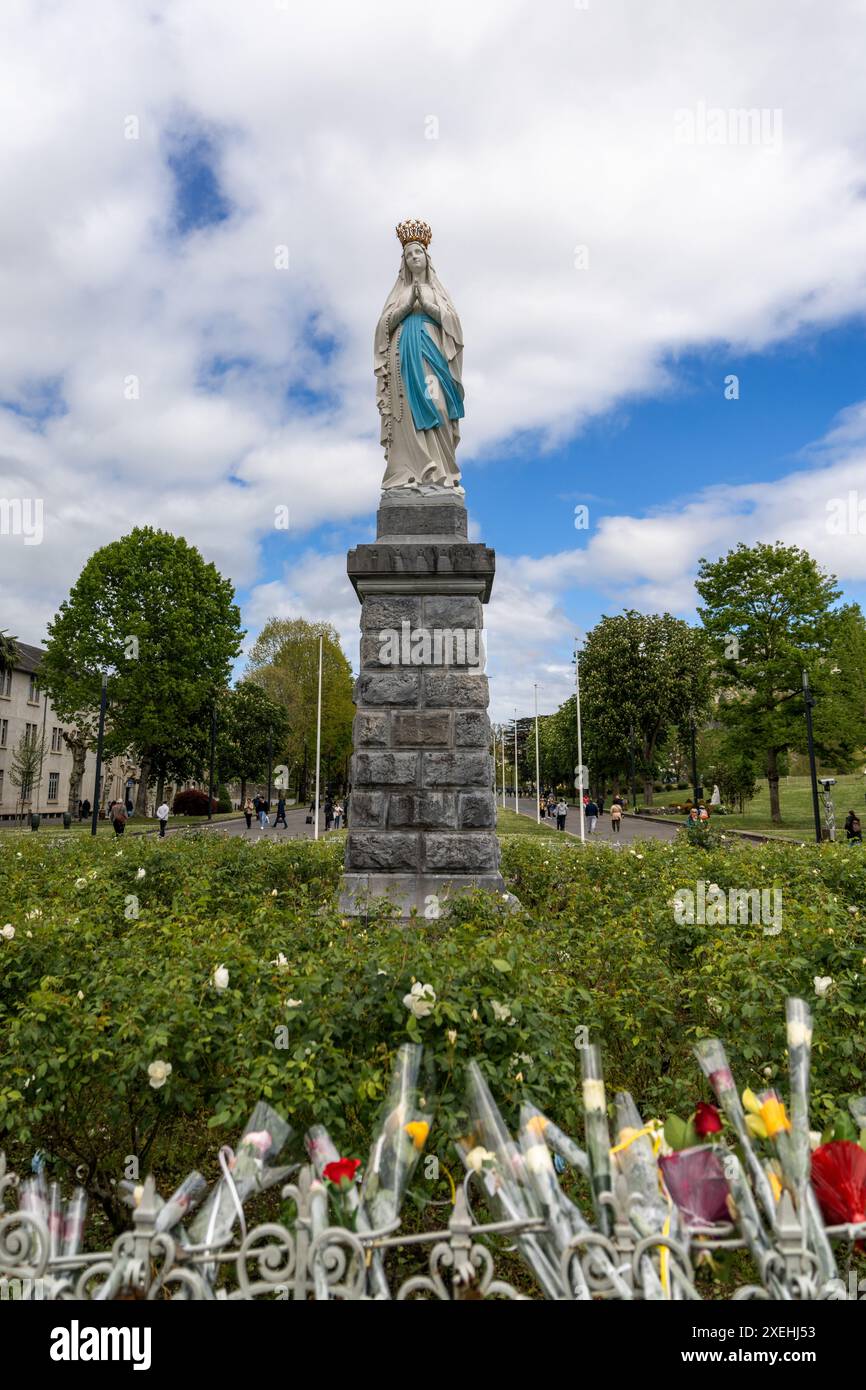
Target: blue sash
(416,349)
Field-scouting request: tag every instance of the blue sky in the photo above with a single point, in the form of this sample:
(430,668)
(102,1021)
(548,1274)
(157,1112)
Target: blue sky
(200,238)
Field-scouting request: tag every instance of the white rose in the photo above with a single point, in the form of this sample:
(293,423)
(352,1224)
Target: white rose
(823,984)
(81,883)
(501,1012)
(142,873)
(420,1000)
(799,1034)
(220,977)
(538,1159)
(281,961)
(593,1094)
(159,1072)
(451,1035)
(294,1003)
(477,1157)
(8,931)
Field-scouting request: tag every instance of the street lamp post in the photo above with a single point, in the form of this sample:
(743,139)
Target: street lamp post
(270,763)
(103,701)
(579,741)
(809,700)
(631,768)
(502,739)
(537,765)
(210,787)
(516,805)
(699,791)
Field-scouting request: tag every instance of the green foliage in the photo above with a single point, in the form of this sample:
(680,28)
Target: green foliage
(642,671)
(284,661)
(768,613)
(108,972)
(250,724)
(163,624)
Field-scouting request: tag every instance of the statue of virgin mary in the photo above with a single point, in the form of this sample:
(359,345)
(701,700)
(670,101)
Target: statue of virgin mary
(418,353)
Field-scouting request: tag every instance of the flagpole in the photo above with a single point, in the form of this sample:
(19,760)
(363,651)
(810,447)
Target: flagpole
(318,744)
(516,806)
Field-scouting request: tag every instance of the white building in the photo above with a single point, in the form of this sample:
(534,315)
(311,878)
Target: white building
(26,712)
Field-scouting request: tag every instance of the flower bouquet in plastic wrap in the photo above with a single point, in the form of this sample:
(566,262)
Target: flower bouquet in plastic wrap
(247,1170)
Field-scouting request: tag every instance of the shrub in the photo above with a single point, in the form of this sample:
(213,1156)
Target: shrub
(313,1012)
(224,804)
(192,802)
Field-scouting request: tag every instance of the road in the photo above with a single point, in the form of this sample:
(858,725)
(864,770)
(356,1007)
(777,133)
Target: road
(630,831)
(299,830)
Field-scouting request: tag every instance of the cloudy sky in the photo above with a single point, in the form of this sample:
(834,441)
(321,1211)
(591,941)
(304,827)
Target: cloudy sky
(662,299)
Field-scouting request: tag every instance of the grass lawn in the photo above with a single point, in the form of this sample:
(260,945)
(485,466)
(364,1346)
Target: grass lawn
(136,825)
(510,823)
(795,799)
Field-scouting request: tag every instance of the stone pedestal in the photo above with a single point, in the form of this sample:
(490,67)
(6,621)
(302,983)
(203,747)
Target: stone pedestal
(422,812)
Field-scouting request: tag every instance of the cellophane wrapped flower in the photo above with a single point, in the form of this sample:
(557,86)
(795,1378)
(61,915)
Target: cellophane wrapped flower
(714,1063)
(597,1132)
(250,1171)
(696,1181)
(403,1128)
(489,1151)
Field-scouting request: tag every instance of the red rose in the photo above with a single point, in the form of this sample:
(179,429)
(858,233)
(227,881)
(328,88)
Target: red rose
(707,1119)
(340,1170)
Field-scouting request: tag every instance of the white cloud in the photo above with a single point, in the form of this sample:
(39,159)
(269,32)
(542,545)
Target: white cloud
(556,129)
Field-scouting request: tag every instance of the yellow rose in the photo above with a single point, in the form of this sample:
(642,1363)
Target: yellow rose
(751,1102)
(417,1131)
(774,1117)
(756,1127)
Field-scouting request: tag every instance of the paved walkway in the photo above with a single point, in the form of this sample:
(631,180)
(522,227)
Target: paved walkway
(296,817)
(631,828)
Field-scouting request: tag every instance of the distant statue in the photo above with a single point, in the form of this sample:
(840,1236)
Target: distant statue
(418,355)
(716,798)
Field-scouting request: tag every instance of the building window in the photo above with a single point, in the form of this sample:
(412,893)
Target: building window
(4,732)
(33,696)
(53,785)
(2,775)
(6,683)
(30,732)
(57,740)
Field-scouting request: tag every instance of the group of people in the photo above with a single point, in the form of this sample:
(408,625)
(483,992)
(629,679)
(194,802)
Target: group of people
(593,809)
(259,807)
(333,811)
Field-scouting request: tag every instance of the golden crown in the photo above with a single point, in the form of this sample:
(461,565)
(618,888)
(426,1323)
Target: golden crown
(413,230)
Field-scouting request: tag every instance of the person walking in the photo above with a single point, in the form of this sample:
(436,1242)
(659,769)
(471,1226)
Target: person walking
(615,815)
(118,817)
(338,815)
(853,828)
(264,818)
(281,813)
(329,813)
(542,807)
(162,817)
(561,813)
(591,814)
(85,808)
(249,812)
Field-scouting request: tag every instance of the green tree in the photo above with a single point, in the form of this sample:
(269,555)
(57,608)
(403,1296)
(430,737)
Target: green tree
(284,661)
(250,724)
(8,652)
(768,614)
(163,625)
(26,767)
(643,671)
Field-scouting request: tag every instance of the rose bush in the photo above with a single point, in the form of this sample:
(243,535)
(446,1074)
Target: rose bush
(142,1016)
